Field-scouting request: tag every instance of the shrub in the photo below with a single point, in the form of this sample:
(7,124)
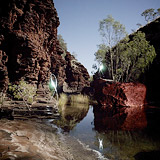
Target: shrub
(23,91)
(63,99)
(79,99)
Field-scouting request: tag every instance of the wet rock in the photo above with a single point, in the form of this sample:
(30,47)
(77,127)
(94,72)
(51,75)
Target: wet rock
(35,112)
(31,140)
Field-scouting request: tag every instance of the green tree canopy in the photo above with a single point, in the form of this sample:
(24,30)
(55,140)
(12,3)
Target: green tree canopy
(125,58)
(101,53)
(112,33)
(62,43)
(140,56)
(135,57)
(150,14)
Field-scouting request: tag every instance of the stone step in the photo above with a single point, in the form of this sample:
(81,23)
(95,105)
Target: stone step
(29,113)
(36,117)
(6,99)
(43,96)
(42,91)
(34,112)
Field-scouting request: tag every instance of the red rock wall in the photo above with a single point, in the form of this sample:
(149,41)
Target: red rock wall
(121,105)
(119,94)
(29,48)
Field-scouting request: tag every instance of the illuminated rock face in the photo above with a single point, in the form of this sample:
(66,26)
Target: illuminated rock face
(119,94)
(29,48)
(121,105)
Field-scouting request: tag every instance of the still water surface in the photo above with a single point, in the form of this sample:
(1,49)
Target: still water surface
(114,145)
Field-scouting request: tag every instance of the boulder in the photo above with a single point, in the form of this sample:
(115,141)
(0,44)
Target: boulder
(121,105)
(109,93)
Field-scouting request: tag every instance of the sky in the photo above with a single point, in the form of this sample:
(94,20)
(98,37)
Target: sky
(79,22)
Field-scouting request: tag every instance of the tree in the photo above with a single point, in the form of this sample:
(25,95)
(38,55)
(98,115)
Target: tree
(74,54)
(135,57)
(100,54)
(126,58)
(151,14)
(62,44)
(158,12)
(139,25)
(148,14)
(112,32)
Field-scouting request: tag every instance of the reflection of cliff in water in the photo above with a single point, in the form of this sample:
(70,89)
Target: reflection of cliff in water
(127,118)
(71,115)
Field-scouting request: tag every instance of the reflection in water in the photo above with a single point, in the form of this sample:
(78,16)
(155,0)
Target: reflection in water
(117,144)
(115,118)
(100,144)
(71,115)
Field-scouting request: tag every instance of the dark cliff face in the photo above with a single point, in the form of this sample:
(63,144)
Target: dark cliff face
(29,48)
(151,77)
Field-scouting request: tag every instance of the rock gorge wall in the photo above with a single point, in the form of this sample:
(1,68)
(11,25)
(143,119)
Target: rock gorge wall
(151,77)
(29,48)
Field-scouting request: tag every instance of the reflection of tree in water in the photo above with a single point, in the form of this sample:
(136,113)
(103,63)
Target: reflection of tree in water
(71,115)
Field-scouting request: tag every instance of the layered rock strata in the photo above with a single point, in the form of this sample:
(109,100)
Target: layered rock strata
(29,48)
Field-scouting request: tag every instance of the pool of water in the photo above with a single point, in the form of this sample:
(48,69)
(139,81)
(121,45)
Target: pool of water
(112,144)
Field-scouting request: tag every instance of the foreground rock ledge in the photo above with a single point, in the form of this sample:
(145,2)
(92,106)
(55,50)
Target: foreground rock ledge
(28,140)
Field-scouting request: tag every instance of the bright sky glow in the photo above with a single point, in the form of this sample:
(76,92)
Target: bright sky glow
(79,22)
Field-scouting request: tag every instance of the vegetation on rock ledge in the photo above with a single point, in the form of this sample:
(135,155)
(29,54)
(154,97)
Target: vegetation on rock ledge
(125,58)
(23,91)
